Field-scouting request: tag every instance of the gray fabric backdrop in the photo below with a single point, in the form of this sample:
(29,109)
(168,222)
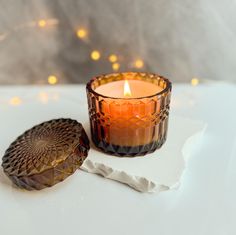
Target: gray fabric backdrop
(178,39)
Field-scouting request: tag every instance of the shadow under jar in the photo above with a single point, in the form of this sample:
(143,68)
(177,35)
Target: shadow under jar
(133,124)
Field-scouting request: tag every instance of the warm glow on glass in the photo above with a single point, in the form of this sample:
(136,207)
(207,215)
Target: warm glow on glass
(52,80)
(95,55)
(115,66)
(81,33)
(112,58)
(42,23)
(138,63)
(194,82)
(127,91)
(15,101)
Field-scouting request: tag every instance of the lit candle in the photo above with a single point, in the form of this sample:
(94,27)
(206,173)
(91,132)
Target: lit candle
(128,112)
(128,89)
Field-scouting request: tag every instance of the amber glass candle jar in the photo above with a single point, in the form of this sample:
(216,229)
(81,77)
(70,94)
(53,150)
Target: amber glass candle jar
(129,112)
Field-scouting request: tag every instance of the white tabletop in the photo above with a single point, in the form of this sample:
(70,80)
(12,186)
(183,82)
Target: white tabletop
(85,203)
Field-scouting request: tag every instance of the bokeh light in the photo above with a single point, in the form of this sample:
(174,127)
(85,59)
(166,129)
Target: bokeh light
(43,97)
(15,101)
(115,66)
(112,58)
(139,63)
(95,55)
(81,33)
(42,23)
(195,81)
(52,80)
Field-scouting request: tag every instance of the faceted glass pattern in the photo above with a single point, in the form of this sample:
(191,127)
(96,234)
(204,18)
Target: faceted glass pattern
(46,154)
(129,126)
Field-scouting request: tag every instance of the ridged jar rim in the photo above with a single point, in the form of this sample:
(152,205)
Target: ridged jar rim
(128,74)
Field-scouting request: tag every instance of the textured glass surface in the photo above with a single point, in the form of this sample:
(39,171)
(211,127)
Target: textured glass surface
(129,127)
(46,154)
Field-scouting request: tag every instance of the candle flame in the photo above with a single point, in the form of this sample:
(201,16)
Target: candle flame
(127,91)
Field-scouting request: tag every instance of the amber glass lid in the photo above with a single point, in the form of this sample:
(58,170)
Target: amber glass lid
(46,154)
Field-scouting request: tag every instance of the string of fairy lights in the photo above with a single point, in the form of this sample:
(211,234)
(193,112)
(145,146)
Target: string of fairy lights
(82,34)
